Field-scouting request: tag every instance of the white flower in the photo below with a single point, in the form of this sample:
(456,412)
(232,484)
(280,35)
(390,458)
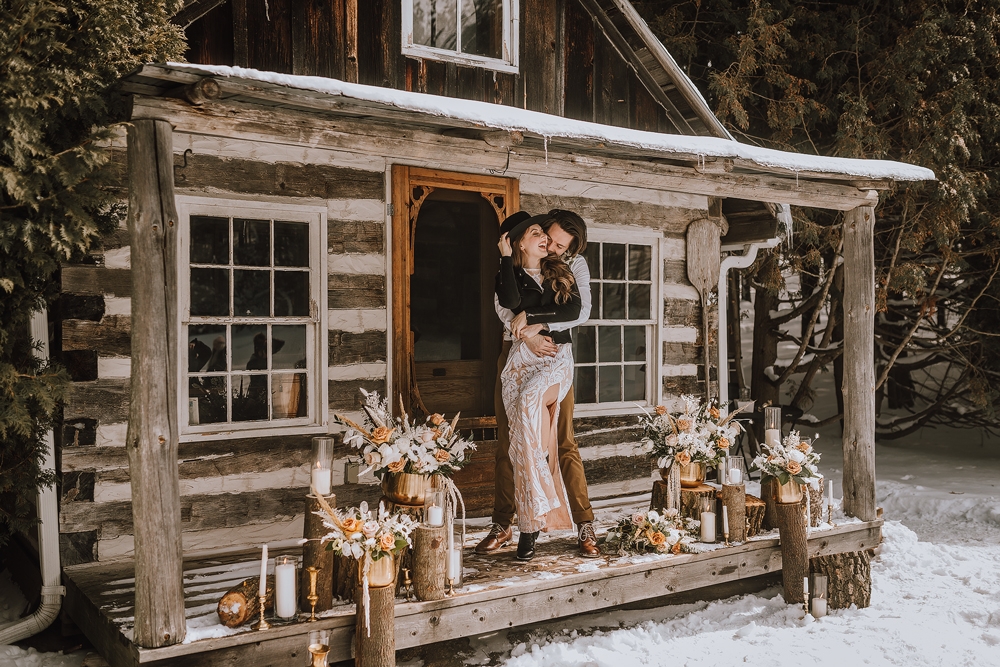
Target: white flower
(796,455)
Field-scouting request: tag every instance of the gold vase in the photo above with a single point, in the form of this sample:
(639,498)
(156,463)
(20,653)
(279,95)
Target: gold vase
(665,473)
(693,474)
(382,572)
(789,492)
(403,488)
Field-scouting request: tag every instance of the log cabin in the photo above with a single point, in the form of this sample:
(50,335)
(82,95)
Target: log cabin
(312,209)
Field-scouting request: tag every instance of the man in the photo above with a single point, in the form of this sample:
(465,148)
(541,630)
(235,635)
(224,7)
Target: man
(567,234)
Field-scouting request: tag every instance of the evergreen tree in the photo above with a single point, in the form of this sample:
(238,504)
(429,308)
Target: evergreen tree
(58,61)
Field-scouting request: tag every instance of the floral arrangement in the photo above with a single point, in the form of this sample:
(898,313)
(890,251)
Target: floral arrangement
(651,531)
(792,460)
(356,532)
(700,434)
(393,445)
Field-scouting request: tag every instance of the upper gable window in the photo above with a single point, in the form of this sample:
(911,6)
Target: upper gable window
(482,33)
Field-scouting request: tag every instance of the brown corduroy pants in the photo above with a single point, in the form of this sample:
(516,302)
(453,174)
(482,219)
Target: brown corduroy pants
(569,458)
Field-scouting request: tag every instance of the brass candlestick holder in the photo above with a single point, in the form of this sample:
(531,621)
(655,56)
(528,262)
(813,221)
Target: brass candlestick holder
(451,586)
(829,510)
(725,536)
(262,624)
(406,583)
(312,597)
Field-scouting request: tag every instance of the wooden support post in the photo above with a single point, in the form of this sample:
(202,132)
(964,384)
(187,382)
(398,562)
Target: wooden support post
(314,554)
(375,645)
(667,492)
(859,363)
(794,550)
(151,441)
(430,561)
(849,578)
(734,499)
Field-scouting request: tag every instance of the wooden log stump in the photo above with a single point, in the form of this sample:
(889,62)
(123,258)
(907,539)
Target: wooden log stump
(667,492)
(814,496)
(794,550)
(770,513)
(241,603)
(692,498)
(430,561)
(755,515)
(733,498)
(375,645)
(849,578)
(314,554)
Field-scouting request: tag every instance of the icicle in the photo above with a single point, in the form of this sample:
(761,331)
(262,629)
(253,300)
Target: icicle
(267,11)
(545,139)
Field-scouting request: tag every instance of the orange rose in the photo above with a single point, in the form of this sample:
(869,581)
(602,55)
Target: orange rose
(437,419)
(722,443)
(713,412)
(397,466)
(794,468)
(657,539)
(803,447)
(684,424)
(676,549)
(382,434)
(682,457)
(660,410)
(387,541)
(441,455)
(351,525)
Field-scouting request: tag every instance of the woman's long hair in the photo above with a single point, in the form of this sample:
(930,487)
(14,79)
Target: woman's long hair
(554,271)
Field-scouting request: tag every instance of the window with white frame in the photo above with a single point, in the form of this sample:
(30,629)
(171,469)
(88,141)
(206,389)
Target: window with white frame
(613,352)
(472,32)
(252,283)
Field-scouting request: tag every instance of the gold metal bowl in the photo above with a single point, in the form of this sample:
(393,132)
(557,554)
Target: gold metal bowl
(405,488)
(382,572)
(789,492)
(693,474)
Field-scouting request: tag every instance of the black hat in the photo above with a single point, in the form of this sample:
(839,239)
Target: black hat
(515,225)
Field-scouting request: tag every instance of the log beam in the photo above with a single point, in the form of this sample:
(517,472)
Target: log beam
(859,363)
(151,441)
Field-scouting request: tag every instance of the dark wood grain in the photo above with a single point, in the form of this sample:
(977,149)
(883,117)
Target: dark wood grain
(355,291)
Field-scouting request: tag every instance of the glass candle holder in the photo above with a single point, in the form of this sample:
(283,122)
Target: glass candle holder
(435,504)
(707,518)
(819,593)
(285,597)
(455,564)
(735,470)
(321,480)
(772,419)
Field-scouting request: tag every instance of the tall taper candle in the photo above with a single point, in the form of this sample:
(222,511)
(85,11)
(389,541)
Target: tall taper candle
(830,487)
(725,520)
(263,571)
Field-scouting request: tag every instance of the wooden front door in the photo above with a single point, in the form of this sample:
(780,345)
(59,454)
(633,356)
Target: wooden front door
(444,261)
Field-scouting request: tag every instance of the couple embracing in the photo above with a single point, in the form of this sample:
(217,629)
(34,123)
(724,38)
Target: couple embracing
(542,292)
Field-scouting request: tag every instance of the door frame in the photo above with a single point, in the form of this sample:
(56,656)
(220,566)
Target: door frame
(410,188)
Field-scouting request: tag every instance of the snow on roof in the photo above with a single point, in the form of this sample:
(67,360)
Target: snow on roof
(501,117)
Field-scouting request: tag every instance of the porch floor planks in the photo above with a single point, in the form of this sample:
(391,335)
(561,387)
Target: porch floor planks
(500,592)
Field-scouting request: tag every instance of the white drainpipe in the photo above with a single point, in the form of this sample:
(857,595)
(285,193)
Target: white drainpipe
(48,529)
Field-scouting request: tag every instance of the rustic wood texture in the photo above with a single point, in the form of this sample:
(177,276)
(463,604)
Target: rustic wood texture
(667,492)
(671,220)
(755,515)
(859,363)
(770,507)
(96,280)
(315,554)
(703,261)
(794,550)
(241,603)
(430,562)
(353,236)
(151,442)
(347,347)
(692,498)
(849,578)
(348,290)
(375,643)
(111,336)
(814,496)
(734,498)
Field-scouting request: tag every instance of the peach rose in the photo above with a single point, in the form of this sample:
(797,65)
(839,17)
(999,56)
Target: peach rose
(671,440)
(722,443)
(658,539)
(794,468)
(437,419)
(638,519)
(684,424)
(382,434)
(397,466)
(351,525)
(387,541)
(713,412)
(441,455)
(660,410)
(803,447)
(682,457)
(676,549)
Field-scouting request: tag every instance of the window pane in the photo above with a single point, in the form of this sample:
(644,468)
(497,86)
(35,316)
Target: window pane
(209,240)
(434,23)
(585,345)
(209,292)
(251,242)
(614,301)
(291,294)
(249,347)
(639,262)
(593,256)
(288,346)
(595,301)
(288,396)
(252,293)
(638,302)
(249,397)
(291,244)
(482,27)
(207,400)
(609,344)
(614,261)
(207,348)
(635,383)
(585,386)
(634,348)
(610,384)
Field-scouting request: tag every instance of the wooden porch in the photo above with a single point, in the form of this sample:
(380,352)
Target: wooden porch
(500,592)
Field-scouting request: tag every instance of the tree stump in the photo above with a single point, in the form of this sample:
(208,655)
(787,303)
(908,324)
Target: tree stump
(770,514)
(692,498)
(848,576)
(794,550)
(430,561)
(375,645)
(346,577)
(241,603)
(667,493)
(755,515)
(733,497)
(815,499)
(314,554)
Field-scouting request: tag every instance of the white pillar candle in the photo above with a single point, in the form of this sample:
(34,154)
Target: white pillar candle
(818,607)
(708,526)
(735,476)
(725,520)
(322,480)
(455,563)
(262,591)
(435,515)
(830,487)
(284,589)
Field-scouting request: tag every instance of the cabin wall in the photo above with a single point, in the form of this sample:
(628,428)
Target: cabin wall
(246,490)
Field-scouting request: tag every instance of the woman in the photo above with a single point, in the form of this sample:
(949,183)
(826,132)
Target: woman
(537,288)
